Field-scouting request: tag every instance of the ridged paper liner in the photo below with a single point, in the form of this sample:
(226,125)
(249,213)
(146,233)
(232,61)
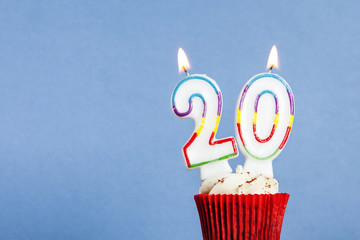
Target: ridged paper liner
(251,217)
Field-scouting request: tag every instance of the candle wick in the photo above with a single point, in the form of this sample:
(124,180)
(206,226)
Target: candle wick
(271,68)
(187,74)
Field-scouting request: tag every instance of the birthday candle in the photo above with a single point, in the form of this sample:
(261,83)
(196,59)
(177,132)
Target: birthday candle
(263,118)
(198,96)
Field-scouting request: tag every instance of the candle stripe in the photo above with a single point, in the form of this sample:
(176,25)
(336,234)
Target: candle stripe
(266,139)
(186,146)
(291,97)
(260,95)
(239,130)
(239,116)
(195,165)
(217,124)
(183,114)
(198,131)
(291,120)
(262,158)
(212,142)
(276,118)
(288,129)
(190,78)
(243,96)
(254,118)
(219,103)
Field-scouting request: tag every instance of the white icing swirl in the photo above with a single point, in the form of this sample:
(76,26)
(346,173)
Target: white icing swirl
(239,183)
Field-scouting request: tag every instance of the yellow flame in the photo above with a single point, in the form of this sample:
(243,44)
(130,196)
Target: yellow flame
(183,61)
(273,61)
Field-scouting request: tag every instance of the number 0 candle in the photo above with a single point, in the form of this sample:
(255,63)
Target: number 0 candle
(263,119)
(199,97)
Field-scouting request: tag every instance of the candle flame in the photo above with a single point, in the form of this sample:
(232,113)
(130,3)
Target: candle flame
(183,61)
(273,61)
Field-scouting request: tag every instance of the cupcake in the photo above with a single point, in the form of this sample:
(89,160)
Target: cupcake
(241,205)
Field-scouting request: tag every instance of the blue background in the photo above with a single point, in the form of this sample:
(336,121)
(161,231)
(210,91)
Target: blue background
(90,149)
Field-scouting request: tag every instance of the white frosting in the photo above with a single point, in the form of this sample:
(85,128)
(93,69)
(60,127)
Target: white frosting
(240,182)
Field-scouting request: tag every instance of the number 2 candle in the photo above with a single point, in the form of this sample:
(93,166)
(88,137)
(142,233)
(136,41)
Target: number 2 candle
(198,96)
(263,118)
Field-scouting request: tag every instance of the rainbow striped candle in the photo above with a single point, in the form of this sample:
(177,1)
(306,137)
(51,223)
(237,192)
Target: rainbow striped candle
(263,121)
(199,97)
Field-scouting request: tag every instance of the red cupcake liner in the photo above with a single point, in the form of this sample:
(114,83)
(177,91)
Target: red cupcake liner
(251,217)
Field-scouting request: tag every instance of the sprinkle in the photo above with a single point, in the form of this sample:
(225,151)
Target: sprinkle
(251,180)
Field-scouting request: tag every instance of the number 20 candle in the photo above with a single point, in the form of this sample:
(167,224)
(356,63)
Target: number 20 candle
(263,118)
(199,97)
